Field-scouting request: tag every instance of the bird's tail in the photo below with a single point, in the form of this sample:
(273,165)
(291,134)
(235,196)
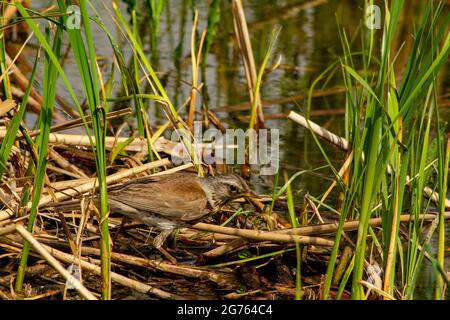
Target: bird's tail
(69,204)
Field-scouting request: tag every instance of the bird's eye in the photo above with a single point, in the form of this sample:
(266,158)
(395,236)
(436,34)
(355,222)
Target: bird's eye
(233,188)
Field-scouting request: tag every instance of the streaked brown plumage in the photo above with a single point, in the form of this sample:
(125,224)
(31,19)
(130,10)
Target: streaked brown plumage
(171,201)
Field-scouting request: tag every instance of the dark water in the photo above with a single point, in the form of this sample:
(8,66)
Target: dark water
(308,43)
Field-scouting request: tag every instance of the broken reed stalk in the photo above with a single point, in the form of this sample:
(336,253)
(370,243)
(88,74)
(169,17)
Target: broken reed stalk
(322,132)
(344,145)
(54,263)
(122,280)
(301,231)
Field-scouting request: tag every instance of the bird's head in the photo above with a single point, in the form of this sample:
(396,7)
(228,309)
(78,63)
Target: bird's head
(225,187)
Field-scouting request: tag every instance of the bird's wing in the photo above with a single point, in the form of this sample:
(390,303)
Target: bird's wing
(161,179)
(165,197)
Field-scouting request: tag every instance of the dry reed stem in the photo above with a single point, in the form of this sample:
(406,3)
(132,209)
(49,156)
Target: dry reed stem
(11,63)
(210,236)
(130,283)
(224,249)
(54,263)
(44,295)
(341,173)
(7,230)
(137,145)
(9,12)
(79,122)
(322,132)
(65,184)
(382,293)
(220,278)
(245,46)
(344,259)
(350,225)
(94,267)
(62,171)
(176,169)
(264,235)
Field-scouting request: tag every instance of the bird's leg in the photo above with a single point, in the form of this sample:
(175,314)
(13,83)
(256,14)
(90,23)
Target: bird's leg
(125,219)
(161,238)
(158,242)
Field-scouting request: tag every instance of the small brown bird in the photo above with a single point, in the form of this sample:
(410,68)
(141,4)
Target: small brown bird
(171,201)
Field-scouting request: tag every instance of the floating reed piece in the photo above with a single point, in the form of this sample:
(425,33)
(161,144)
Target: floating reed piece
(245,47)
(322,132)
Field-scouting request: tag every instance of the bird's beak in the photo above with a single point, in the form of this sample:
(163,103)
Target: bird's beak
(253,198)
(249,194)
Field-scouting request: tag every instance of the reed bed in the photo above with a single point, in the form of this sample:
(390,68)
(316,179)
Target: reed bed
(391,181)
